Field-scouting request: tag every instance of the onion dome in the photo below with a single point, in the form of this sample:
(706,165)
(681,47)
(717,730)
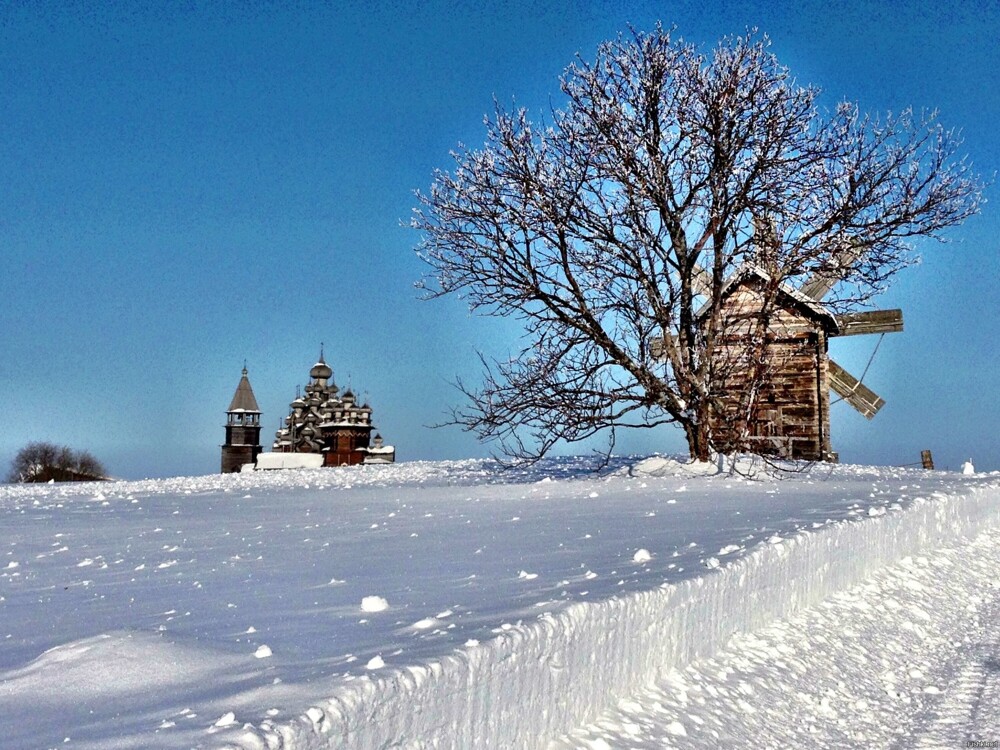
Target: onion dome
(298,404)
(348,395)
(321,370)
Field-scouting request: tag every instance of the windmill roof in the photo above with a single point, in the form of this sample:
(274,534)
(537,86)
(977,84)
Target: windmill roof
(802,300)
(243,399)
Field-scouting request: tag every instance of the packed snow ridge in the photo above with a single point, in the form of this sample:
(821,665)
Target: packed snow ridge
(454,605)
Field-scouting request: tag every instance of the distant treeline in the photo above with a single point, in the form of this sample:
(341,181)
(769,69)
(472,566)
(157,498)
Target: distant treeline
(46,462)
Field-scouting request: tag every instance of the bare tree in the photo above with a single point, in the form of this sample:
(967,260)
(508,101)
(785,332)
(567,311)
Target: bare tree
(610,233)
(43,462)
(64,460)
(88,466)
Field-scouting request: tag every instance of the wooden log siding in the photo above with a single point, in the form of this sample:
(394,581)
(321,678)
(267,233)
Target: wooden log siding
(344,445)
(790,415)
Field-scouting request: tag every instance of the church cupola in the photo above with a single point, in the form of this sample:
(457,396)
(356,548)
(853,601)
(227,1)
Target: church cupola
(321,371)
(242,444)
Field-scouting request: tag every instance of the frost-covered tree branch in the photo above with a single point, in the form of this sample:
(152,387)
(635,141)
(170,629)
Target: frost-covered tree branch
(609,233)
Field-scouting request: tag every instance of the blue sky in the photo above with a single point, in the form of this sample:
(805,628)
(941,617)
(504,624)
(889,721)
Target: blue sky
(190,188)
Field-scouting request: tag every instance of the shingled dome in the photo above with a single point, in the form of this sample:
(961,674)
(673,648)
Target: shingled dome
(321,370)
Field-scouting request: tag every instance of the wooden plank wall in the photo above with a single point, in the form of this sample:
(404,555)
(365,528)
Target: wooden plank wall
(789,414)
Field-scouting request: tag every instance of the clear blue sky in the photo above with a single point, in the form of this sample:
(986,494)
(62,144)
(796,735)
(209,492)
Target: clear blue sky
(184,189)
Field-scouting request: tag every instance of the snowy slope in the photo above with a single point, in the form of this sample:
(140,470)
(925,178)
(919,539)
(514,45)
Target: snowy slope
(422,601)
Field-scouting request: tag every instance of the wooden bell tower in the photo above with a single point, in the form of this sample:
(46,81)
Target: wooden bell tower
(242,444)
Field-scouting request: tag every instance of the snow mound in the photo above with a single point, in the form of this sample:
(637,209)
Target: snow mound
(267,461)
(642,556)
(664,466)
(115,679)
(374,604)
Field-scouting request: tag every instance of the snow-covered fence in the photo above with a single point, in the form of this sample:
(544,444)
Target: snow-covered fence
(536,682)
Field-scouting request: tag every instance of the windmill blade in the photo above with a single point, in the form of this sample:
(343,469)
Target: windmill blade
(701,281)
(817,286)
(854,392)
(820,283)
(874,321)
(658,347)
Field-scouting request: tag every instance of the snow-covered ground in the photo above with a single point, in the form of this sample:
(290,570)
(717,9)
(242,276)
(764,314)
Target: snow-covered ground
(451,604)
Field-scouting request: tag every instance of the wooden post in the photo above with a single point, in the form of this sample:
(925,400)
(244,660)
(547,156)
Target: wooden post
(926,459)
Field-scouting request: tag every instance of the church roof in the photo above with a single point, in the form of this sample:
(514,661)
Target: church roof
(243,399)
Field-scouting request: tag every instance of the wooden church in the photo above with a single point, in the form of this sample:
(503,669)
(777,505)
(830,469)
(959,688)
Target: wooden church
(324,427)
(325,422)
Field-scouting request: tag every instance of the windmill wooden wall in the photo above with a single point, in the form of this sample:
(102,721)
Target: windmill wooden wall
(789,414)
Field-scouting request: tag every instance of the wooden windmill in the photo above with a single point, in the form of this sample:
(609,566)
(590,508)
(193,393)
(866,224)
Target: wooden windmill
(790,416)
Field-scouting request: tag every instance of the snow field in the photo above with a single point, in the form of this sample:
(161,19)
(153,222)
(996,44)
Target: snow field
(543,680)
(443,603)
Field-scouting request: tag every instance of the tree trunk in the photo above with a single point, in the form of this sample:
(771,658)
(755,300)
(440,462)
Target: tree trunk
(698,439)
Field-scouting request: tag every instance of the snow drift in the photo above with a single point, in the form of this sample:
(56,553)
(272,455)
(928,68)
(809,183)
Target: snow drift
(538,681)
